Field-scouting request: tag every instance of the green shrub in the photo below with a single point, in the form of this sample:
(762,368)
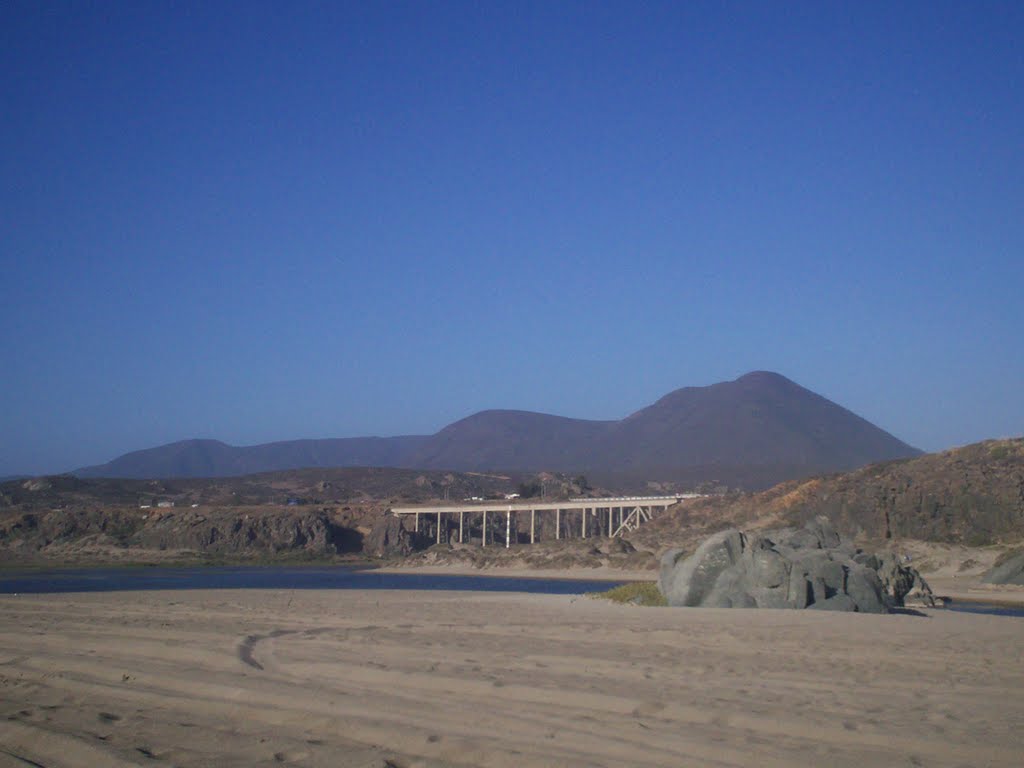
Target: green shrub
(638,593)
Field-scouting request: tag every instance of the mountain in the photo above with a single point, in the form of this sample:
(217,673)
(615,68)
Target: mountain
(212,458)
(755,431)
(758,419)
(514,439)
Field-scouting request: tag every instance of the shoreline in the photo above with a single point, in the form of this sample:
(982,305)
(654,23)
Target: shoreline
(963,589)
(969,589)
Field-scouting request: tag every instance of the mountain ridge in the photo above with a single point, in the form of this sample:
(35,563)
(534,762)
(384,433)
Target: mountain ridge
(761,420)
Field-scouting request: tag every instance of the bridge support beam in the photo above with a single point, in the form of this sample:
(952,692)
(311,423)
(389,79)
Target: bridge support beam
(623,514)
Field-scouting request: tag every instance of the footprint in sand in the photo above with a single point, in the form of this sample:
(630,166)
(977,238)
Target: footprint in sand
(648,708)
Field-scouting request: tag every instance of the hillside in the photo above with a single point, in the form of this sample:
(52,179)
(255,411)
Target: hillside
(752,432)
(317,513)
(972,495)
(967,496)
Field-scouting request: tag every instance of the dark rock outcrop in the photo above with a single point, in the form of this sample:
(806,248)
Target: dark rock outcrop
(389,538)
(310,533)
(241,534)
(812,567)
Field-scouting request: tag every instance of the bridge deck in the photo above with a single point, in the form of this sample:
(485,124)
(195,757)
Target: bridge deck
(632,511)
(505,505)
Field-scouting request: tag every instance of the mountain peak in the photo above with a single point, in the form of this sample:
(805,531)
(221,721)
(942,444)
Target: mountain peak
(764,377)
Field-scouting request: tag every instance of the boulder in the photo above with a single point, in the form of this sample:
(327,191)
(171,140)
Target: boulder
(837,603)
(902,583)
(1009,569)
(813,567)
(691,581)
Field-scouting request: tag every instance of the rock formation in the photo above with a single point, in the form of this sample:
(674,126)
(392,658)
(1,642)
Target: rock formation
(389,538)
(1008,569)
(811,567)
(234,533)
(311,533)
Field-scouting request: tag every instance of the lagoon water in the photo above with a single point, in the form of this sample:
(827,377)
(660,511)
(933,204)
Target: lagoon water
(275,577)
(261,577)
(990,609)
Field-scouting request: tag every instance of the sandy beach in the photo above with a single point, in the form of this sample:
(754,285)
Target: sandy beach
(402,678)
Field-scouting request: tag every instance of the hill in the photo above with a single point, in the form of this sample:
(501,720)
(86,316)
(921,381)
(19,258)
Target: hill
(972,495)
(751,432)
(967,496)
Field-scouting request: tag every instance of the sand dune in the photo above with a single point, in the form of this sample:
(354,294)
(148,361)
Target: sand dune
(262,678)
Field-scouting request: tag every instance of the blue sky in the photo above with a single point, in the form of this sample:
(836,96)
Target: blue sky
(262,221)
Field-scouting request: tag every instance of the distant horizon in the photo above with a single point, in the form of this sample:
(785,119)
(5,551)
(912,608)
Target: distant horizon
(262,222)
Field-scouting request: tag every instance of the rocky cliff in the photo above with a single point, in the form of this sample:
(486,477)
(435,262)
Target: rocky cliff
(243,533)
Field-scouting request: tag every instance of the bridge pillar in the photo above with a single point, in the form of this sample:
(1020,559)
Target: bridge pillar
(483,534)
(533,524)
(558,524)
(461,514)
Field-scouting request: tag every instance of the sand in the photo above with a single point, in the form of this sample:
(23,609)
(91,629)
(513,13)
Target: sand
(379,678)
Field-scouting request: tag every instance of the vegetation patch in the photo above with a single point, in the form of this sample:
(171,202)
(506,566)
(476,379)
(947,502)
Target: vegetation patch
(644,593)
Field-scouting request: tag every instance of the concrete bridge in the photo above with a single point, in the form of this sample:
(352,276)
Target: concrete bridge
(623,513)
